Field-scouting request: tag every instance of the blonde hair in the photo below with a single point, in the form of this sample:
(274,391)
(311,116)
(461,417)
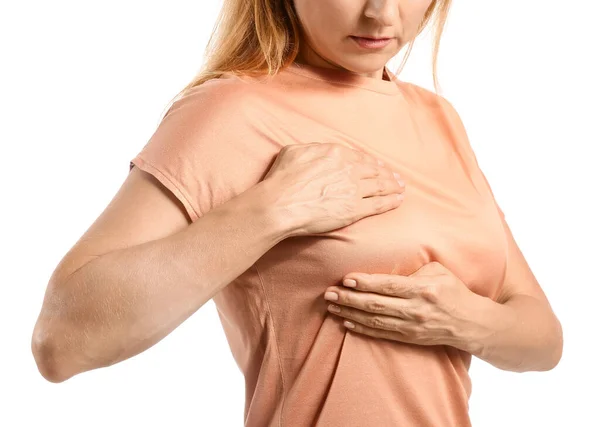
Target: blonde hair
(258,37)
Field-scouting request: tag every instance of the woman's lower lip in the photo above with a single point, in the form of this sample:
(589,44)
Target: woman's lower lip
(371,43)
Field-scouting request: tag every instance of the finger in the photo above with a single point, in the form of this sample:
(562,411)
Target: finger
(388,323)
(377,333)
(393,285)
(373,303)
(368,206)
(380,186)
(365,170)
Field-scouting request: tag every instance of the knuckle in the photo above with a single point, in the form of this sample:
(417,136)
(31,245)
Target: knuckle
(376,322)
(431,293)
(353,189)
(433,323)
(375,306)
(400,313)
(390,288)
(419,316)
(378,204)
(452,331)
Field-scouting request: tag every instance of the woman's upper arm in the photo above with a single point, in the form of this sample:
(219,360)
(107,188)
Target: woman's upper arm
(519,279)
(142,210)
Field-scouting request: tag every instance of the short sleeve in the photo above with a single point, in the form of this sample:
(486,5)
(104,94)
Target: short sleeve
(457,127)
(209,147)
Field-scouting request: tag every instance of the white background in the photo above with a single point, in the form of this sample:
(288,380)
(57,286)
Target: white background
(83,86)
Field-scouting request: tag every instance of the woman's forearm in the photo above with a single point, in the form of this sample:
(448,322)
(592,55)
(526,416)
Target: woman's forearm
(123,302)
(523,334)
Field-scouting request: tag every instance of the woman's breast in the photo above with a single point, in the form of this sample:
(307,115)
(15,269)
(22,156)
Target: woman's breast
(457,227)
(454,225)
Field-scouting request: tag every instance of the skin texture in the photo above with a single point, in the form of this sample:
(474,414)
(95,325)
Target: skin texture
(519,331)
(328,24)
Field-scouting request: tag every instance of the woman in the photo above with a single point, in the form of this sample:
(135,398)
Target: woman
(265,192)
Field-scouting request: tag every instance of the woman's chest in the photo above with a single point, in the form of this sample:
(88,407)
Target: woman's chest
(434,223)
(448,215)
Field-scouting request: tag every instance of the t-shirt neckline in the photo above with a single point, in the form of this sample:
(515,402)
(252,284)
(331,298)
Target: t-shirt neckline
(345,77)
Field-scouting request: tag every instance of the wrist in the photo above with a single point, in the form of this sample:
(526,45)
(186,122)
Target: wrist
(262,200)
(487,318)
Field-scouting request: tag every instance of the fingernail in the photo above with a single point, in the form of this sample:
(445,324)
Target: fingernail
(331,296)
(348,324)
(334,308)
(351,283)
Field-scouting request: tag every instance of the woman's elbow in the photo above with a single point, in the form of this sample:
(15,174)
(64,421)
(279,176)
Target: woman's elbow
(45,353)
(58,352)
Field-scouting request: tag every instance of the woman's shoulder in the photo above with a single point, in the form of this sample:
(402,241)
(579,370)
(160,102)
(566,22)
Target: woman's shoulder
(434,104)
(217,98)
(421,95)
(218,91)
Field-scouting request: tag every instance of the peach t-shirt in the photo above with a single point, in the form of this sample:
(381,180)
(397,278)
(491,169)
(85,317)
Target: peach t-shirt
(302,367)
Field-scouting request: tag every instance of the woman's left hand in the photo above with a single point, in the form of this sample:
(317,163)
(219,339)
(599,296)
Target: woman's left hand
(428,307)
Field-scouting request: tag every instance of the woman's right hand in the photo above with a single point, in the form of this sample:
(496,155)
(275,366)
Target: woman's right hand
(321,187)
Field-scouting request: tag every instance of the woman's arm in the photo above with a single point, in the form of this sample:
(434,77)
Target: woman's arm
(125,301)
(522,334)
